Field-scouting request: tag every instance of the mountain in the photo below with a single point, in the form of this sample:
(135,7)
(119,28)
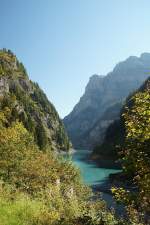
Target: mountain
(26,102)
(36,186)
(115,134)
(103,98)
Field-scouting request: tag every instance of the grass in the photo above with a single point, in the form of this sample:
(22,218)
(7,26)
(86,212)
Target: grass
(22,211)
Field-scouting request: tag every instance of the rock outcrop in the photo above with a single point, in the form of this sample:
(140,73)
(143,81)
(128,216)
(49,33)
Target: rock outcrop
(26,102)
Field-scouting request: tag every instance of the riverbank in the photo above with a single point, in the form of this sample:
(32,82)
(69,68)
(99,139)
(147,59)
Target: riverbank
(96,175)
(99,162)
(106,162)
(70,152)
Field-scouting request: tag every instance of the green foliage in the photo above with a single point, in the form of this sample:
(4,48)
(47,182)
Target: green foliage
(42,188)
(137,154)
(21,68)
(41,136)
(28,103)
(136,160)
(113,141)
(39,188)
(20,210)
(10,66)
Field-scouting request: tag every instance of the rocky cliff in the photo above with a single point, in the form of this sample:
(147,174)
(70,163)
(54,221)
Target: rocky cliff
(114,140)
(26,102)
(103,98)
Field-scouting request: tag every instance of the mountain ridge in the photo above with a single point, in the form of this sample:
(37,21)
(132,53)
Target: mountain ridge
(27,103)
(101,93)
(114,139)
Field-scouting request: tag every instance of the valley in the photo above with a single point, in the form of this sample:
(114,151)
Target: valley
(40,174)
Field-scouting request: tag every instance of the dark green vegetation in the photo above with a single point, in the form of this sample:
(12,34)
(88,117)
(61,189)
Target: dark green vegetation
(136,154)
(112,143)
(28,104)
(114,140)
(128,139)
(103,98)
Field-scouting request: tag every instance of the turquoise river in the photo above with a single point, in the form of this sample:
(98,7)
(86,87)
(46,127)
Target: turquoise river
(93,175)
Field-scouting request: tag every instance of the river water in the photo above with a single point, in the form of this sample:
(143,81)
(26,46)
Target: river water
(93,175)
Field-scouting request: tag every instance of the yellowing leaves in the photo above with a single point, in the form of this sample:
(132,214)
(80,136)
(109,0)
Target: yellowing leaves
(137,151)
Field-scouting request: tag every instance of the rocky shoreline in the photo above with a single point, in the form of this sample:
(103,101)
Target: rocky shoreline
(118,180)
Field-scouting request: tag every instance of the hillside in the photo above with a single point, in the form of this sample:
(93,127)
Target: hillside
(86,124)
(114,140)
(38,187)
(135,153)
(26,102)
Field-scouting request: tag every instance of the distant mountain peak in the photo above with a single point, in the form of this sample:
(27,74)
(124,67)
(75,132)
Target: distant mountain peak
(145,56)
(132,59)
(94,82)
(94,76)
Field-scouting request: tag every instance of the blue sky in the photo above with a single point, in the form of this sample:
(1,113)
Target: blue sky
(63,42)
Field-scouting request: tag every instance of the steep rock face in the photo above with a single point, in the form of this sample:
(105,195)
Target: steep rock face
(25,101)
(96,134)
(114,139)
(86,124)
